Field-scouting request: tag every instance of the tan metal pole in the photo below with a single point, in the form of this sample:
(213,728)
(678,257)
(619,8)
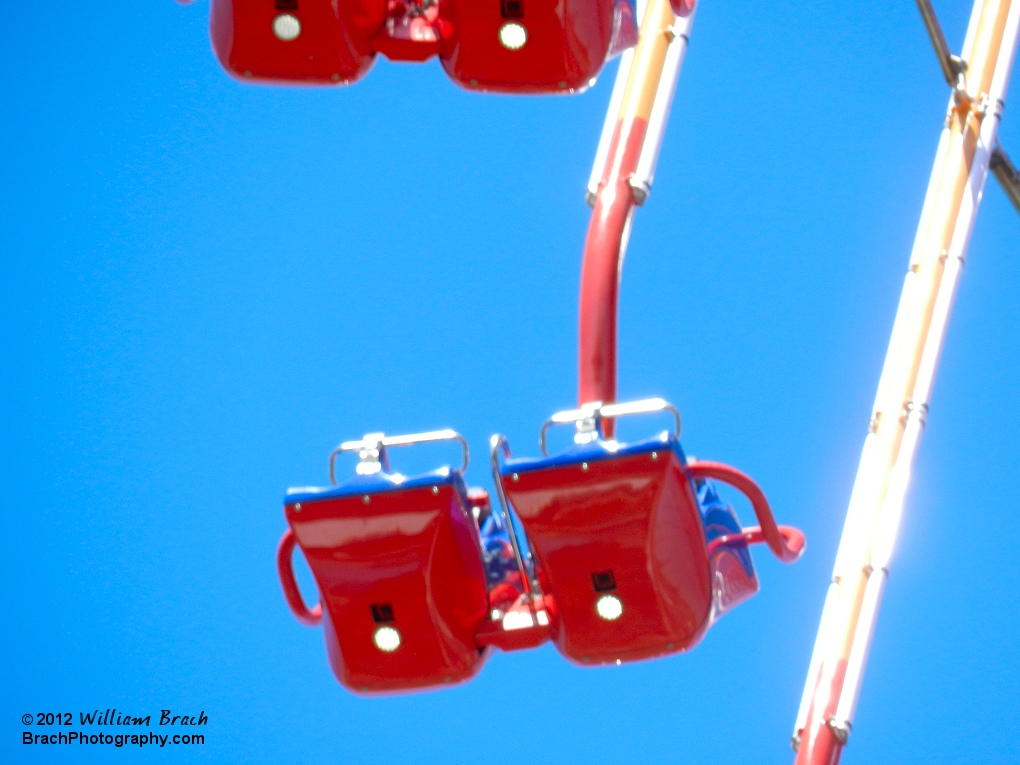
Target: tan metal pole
(954,193)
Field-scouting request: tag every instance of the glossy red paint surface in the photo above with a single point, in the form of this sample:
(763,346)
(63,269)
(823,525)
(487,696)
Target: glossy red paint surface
(567,43)
(601,268)
(414,556)
(637,518)
(753,535)
(331,49)
(310,617)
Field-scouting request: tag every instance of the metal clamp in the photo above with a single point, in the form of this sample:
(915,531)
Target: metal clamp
(372,449)
(588,418)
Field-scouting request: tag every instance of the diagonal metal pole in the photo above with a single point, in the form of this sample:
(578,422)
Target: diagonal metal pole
(1007,175)
(952,66)
(854,595)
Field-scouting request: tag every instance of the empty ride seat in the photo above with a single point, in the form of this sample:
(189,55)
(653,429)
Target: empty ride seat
(620,537)
(399,571)
(311,42)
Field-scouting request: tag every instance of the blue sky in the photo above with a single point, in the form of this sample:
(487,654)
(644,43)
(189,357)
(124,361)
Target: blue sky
(206,285)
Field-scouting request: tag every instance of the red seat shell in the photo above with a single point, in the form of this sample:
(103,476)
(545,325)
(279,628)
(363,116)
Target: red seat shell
(332,48)
(567,44)
(414,550)
(567,41)
(636,516)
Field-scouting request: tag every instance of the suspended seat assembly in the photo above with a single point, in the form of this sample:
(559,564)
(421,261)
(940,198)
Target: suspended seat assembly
(614,551)
(638,552)
(404,567)
(510,46)
(622,552)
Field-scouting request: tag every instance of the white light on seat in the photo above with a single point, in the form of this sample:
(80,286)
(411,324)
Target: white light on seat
(513,35)
(517,620)
(287,27)
(609,607)
(387,639)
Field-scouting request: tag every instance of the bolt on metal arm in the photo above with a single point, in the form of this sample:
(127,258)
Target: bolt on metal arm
(1007,175)
(952,66)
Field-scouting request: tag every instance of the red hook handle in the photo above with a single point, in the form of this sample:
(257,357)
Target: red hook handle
(284,553)
(785,542)
(752,535)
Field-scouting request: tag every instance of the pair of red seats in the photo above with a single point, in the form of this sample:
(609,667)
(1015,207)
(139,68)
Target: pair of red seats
(615,552)
(517,46)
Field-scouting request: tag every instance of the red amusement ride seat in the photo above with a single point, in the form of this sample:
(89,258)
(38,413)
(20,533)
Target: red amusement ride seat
(637,565)
(320,42)
(512,46)
(398,567)
(616,551)
(416,575)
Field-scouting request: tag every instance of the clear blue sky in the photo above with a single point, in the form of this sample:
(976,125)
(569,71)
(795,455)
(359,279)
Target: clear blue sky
(206,285)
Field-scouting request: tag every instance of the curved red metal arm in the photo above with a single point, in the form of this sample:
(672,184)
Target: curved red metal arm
(614,204)
(308,617)
(752,535)
(785,542)
(600,272)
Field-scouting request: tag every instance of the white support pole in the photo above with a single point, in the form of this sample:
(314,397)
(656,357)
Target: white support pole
(644,174)
(873,518)
(598,168)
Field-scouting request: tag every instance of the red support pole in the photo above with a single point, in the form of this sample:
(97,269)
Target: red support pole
(600,273)
(614,205)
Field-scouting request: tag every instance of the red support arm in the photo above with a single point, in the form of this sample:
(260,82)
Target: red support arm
(600,284)
(284,553)
(785,542)
(753,535)
(606,242)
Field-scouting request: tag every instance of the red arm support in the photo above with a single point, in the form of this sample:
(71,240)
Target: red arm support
(752,535)
(604,249)
(308,617)
(600,283)
(614,205)
(785,542)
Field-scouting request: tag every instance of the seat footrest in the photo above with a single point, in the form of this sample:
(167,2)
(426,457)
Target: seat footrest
(524,625)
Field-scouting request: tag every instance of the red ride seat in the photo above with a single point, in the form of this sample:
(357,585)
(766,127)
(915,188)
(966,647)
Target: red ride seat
(620,538)
(510,46)
(528,46)
(315,42)
(398,568)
